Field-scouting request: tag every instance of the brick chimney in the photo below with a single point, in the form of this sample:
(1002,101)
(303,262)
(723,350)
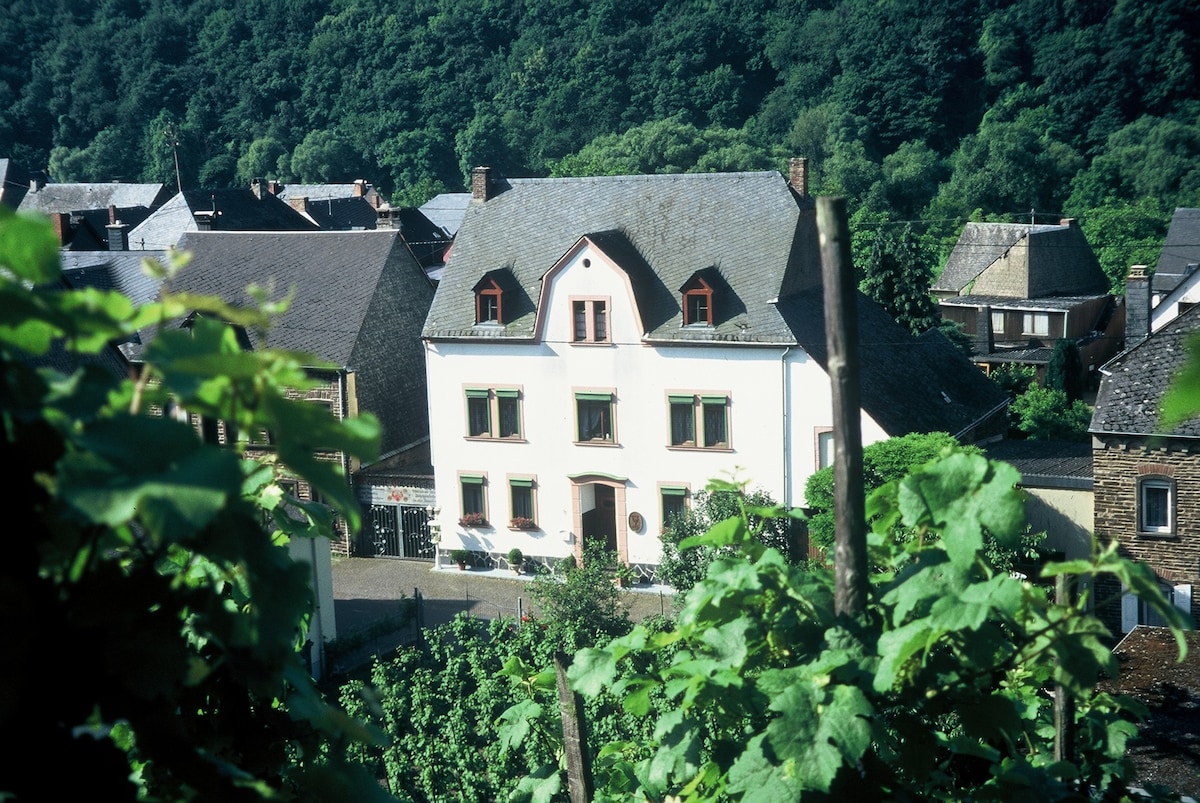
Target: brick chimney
(798,175)
(62,226)
(299,204)
(481,183)
(118,236)
(1137,306)
(360,187)
(259,187)
(274,187)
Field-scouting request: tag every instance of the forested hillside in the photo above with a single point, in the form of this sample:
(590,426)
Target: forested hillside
(914,109)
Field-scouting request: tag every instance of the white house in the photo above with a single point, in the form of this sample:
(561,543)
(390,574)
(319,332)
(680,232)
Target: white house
(598,349)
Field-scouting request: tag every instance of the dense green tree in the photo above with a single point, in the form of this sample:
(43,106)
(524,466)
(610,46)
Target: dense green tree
(1042,413)
(266,157)
(898,277)
(152,611)
(1065,370)
(1124,233)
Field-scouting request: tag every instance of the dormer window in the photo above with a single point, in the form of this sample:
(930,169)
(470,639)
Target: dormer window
(488,302)
(697,302)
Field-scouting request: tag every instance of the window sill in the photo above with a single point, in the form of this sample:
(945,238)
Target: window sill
(1156,536)
(686,448)
(596,443)
(592,343)
(490,439)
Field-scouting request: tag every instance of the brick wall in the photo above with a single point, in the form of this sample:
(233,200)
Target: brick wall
(1175,558)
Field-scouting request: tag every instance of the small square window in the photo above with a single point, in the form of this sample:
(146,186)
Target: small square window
(1156,506)
(716,421)
(697,303)
(521,507)
(674,503)
(474,500)
(594,417)
(589,320)
(1037,323)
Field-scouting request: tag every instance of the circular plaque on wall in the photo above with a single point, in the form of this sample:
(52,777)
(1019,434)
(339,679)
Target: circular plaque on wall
(635,521)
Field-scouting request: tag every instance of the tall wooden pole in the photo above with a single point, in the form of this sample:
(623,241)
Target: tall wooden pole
(841,338)
(574,723)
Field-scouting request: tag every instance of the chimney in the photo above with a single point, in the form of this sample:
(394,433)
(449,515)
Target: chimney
(274,187)
(798,175)
(206,219)
(258,187)
(118,236)
(112,214)
(985,341)
(387,218)
(62,226)
(1137,306)
(299,204)
(481,183)
(1069,221)
(35,184)
(360,188)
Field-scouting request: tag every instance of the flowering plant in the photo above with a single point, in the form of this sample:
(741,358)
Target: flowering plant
(522,523)
(473,520)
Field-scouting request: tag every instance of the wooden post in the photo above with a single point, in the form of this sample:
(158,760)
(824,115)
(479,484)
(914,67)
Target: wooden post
(841,338)
(1064,704)
(579,767)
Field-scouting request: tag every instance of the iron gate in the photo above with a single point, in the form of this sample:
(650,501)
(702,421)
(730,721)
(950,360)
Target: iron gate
(398,531)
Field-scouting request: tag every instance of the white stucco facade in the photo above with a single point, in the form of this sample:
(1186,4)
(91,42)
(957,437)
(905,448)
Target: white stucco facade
(777,401)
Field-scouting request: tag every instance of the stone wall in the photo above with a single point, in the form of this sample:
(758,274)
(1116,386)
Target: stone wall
(1117,466)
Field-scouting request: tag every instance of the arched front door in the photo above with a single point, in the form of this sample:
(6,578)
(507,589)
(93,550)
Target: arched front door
(599,512)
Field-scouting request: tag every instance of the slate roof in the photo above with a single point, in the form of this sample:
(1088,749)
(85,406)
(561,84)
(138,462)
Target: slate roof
(1048,304)
(334,274)
(341,214)
(237,210)
(1180,249)
(748,226)
(447,210)
(78,197)
(113,270)
(907,384)
(1133,383)
(1045,462)
(321,192)
(1063,268)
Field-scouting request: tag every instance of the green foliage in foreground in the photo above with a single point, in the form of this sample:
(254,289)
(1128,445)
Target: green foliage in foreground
(682,568)
(938,691)
(152,622)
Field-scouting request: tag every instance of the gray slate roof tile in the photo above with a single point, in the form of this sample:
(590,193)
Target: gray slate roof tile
(1134,382)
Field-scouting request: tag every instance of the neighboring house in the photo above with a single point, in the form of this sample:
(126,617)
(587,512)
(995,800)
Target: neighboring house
(1016,289)
(360,301)
(1174,288)
(82,212)
(1147,480)
(1059,499)
(254,209)
(600,348)
(447,210)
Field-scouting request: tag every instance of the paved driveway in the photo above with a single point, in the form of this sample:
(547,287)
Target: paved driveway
(367,590)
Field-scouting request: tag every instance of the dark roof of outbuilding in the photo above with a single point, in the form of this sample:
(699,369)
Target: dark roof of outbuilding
(334,276)
(907,384)
(1065,265)
(1181,248)
(1133,383)
(113,270)
(236,210)
(747,226)
(77,197)
(1039,460)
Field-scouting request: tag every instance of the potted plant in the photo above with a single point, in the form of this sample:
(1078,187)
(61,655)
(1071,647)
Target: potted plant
(516,559)
(460,556)
(473,520)
(522,523)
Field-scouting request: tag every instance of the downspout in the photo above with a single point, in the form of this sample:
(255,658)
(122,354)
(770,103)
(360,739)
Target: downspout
(787,436)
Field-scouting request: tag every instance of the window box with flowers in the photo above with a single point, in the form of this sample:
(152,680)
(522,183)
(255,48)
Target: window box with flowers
(522,523)
(473,520)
